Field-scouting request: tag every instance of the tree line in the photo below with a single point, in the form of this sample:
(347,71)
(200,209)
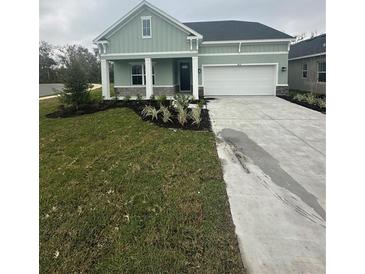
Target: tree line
(54,61)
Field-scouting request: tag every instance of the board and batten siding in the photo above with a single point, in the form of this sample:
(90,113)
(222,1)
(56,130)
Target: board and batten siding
(245,48)
(165,36)
(273,53)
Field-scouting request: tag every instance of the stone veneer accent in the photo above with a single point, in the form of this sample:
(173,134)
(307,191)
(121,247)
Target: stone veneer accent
(282,90)
(127,91)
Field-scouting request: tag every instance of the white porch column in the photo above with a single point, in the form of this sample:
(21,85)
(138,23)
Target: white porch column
(105,83)
(195,77)
(148,67)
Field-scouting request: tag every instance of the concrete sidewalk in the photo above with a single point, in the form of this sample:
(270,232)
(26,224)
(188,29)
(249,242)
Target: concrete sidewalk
(273,158)
(55,88)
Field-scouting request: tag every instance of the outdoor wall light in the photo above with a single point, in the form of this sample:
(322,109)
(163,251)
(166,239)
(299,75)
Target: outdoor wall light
(283,68)
(199,70)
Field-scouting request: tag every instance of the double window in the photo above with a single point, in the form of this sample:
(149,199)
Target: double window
(305,70)
(321,72)
(139,74)
(146,27)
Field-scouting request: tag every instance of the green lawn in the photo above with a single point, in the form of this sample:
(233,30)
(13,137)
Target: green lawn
(121,195)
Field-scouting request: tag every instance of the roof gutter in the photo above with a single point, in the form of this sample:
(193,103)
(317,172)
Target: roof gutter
(248,41)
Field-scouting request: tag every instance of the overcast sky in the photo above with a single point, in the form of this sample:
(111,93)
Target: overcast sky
(80,21)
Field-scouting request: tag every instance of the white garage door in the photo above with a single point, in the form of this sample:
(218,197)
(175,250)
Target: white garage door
(239,80)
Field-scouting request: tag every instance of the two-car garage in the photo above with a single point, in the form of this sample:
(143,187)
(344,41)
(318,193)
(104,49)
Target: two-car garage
(255,79)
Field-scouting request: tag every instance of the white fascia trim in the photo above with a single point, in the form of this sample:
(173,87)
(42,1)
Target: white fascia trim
(133,54)
(119,21)
(177,22)
(102,42)
(242,53)
(282,85)
(247,41)
(308,56)
(181,25)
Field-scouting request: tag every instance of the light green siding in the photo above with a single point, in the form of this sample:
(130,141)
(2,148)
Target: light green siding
(164,71)
(281,59)
(165,36)
(122,73)
(218,49)
(245,48)
(264,47)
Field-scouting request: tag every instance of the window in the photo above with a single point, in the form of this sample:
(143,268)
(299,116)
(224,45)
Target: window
(139,74)
(305,70)
(146,27)
(321,72)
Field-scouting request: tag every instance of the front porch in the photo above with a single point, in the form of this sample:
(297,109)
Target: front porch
(148,77)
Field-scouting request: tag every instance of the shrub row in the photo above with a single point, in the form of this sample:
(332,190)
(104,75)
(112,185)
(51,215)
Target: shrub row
(311,99)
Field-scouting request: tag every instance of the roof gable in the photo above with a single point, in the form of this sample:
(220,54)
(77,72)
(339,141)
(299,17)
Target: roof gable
(315,45)
(236,30)
(134,12)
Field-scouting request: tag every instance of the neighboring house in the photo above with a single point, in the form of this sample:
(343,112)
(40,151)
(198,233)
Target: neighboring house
(154,53)
(307,65)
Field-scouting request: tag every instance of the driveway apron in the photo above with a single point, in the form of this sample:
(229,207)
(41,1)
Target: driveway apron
(273,157)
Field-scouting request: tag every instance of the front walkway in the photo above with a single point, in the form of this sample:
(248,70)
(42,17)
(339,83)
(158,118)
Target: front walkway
(273,157)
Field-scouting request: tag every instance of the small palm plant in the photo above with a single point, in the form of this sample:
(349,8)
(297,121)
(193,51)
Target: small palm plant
(182,115)
(311,98)
(195,114)
(321,103)
(166,114)
(300,97)
(149,111)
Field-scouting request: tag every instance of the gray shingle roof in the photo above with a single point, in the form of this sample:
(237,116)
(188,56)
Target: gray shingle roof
(235,30)
(311,46)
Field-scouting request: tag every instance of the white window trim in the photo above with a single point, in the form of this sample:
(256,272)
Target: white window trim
(318,72)
(143,73)
(150,19)
(304,70)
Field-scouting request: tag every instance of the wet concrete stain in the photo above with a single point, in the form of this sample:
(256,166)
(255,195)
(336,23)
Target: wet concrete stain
(243,145)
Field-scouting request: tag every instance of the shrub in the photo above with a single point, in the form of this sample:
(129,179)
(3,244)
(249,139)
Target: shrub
(126,98)
(166,114)
(139,97)
(150,111)
(162,100)
(182,115)
(152,97)
(321,103)
(300,97)
(201,103)
(311,99)
(76,92)
(195,114)
(182,100)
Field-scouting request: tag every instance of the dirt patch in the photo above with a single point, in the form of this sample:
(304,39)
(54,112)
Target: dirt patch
(137,107)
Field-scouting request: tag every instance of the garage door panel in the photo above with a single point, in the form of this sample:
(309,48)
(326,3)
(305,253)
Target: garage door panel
(239,80)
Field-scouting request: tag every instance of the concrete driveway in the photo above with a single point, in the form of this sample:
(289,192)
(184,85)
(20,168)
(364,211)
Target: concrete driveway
(273,158)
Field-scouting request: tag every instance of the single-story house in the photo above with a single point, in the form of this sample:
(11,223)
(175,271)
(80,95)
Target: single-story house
(307,65)
(154,53)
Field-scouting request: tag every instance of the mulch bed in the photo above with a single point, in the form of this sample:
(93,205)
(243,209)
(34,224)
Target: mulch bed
(137,107)
(304,104)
